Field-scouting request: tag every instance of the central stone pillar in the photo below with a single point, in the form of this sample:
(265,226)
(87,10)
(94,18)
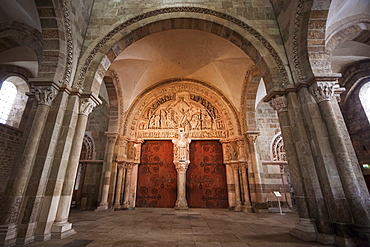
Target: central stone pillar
(181,168)
(181,161)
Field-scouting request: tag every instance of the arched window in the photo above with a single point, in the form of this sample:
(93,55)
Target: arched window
(8,93)
(365,98)
(277,148)
(13,100)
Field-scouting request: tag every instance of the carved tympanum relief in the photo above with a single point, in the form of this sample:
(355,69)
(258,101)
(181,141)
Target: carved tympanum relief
(189,111)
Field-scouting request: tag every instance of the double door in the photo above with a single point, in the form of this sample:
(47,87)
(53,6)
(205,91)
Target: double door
(205,177)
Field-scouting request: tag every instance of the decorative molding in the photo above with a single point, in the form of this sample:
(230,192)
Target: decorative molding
(45,94)
(118,86)
(86,106)
(279,103)
(296,33)
(69,41)
(188,9)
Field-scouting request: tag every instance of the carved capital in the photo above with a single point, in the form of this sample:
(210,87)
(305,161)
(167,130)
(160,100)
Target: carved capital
(322,90)
(244,166)
(181,167)
(235,167)
(279,103)
(45,94)
(252,136)
(86,106)
(112,138)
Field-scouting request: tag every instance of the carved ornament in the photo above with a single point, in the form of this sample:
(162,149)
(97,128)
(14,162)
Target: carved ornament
(195,109)
(45,94)
(279,103)
(322,90)
(86,106)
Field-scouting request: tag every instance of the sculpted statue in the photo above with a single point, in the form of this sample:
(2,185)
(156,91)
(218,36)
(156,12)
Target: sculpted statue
(181,146)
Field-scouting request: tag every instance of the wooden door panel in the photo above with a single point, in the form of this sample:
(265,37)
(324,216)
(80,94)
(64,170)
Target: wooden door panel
(206,176)
(157,177)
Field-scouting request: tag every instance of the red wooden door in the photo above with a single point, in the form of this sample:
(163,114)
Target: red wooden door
(206,176)
(157,177)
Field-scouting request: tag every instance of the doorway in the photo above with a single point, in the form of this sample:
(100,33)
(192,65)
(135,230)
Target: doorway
(206,176)
(157,177)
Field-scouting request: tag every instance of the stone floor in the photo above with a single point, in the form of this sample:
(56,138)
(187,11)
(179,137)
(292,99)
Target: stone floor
(167,227)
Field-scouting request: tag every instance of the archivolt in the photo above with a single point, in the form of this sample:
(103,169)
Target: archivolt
(107,49)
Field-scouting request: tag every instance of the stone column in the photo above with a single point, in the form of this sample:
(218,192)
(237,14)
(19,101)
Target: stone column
(60,160)
(117,201)
(109,151)
(181,168)
(247,207)
(238,204)
(255,167)
(133,185)
(61,227)
(11,205)
(244,186)
(346,162)
(305,229)
(126,198)
(181,161)
(229,175)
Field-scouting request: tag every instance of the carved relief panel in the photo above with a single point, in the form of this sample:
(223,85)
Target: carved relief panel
(190,112)
(199,111)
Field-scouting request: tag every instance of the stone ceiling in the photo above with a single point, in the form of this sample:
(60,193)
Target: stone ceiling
(191,54)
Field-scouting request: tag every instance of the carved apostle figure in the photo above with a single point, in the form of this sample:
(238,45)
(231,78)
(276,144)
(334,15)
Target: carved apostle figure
(181,146)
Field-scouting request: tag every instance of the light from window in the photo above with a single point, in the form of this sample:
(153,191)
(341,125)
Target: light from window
(8,92)
(365,98)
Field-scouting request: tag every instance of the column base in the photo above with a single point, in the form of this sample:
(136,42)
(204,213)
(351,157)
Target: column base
(238,208)
(43,238)
(117,206)
(247,208)
(305,229)
(24,241)
(181,204)
(102,207)
(62,230)
(8,235)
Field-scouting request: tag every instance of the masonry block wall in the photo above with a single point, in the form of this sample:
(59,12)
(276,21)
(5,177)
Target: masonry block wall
(9,143)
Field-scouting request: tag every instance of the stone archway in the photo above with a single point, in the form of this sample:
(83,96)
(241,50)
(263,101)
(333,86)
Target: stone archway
(199,112)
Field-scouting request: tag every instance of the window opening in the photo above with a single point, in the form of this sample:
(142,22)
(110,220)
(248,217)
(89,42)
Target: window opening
(8,93)
(365,99)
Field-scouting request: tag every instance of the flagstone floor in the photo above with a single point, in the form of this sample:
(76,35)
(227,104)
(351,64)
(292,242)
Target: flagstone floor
(169,228)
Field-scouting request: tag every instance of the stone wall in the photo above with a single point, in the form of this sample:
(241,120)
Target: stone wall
(97,126)
(108,14)
(9,143)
